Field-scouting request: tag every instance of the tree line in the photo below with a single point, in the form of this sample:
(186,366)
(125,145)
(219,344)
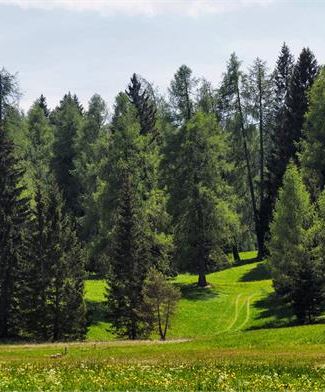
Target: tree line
(165,184)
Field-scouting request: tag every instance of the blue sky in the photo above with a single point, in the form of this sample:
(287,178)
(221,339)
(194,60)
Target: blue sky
(93,46)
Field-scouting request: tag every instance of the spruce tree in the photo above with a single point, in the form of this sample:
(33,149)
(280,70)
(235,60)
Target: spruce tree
(125,234)
(146,111)
(43,105)
(67,120)
(312,157)
(303,77)
(54,304)
(292,85)
(275,164)
(141,97)
(292,264)
(14,213)
(129,261)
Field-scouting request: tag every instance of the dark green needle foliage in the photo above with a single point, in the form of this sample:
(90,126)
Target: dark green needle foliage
(54,306)
(67,120)
(297,268)
(146,111)
(129,256)
(14,213)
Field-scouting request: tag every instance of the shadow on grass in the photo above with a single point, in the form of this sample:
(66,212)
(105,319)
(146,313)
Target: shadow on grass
(273,307)
(244,261)
(260,272)
(96,312)
(195,293)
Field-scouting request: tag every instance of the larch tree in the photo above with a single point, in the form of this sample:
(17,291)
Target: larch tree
(198,197)
(258,104)
(181,92)
(234,118)
(39,143)
(90,150)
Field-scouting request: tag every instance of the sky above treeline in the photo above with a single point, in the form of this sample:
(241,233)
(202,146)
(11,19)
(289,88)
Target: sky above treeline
(93,46)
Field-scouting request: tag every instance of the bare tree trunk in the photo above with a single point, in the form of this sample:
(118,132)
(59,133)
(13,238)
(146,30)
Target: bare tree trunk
(236,254)
(202,281)
(248,166)
(260,232)
(166,321)
(161,333)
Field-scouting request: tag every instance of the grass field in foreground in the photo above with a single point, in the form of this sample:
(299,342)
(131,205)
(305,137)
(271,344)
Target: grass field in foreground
(230,336)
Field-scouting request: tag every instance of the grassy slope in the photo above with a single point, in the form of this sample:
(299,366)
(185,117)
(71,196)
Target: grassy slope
(238,299)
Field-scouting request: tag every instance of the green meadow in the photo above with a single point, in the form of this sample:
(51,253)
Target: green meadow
(232,335)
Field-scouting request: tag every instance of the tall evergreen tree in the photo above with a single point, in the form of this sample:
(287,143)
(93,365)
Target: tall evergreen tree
(303,76)
(54,306)
(275,165)
(146,110)
(292,264)
(67,120)
(14,213)
(43,105)
(129,254)
(14,210)
(125,233)
(291,103)
(142,98)
(312,156)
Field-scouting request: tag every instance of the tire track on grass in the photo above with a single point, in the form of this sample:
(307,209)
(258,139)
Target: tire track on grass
(247,312)
(236,314)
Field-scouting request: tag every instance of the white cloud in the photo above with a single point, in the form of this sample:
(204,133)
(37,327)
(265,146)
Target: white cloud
(142,7)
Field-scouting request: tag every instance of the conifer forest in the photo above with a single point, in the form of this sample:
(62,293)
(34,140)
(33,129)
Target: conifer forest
(156,197)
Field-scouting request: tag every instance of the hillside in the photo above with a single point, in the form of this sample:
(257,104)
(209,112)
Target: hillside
(238,299)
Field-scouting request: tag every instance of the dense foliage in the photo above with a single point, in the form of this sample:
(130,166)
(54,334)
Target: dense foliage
(171,183)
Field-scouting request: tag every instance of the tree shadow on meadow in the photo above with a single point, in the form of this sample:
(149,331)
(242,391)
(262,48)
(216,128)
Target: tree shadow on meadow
(193,292)
(260,272)
(96,312)
(245,261)
(276,313)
